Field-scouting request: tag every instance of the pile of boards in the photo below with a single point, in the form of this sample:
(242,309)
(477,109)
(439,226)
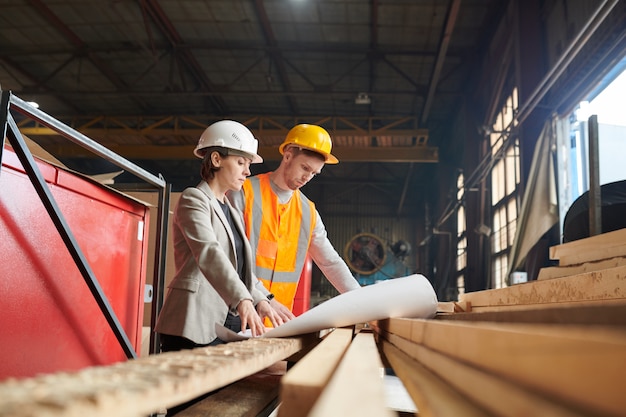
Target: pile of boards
(551,347)
(555,346)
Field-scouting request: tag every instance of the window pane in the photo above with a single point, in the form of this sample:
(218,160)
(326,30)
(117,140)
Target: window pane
(511,170)
(512,220)
(497,182)
(461,254)
(460,221)
(500,266)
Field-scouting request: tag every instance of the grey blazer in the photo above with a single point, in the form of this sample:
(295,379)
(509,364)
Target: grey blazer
(206,285)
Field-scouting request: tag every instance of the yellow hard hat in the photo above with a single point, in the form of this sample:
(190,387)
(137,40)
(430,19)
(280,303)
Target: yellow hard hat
(313,138)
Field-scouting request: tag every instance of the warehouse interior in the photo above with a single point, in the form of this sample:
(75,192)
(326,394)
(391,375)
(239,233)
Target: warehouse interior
(462,127)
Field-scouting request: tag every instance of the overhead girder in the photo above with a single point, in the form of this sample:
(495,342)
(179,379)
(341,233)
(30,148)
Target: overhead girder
(365,139)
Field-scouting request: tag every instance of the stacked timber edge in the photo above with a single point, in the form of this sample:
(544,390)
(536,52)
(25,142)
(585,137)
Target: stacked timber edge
(555,346)
(551,347)
(145,385)
(335,371)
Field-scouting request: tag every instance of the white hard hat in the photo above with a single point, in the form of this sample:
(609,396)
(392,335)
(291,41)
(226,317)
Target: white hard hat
(232,136)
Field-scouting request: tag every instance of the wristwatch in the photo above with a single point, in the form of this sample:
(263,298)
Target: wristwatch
(270,296)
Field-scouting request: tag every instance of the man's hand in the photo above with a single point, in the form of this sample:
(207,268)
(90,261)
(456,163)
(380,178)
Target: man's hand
(283,312)
(265,310)
(249,317)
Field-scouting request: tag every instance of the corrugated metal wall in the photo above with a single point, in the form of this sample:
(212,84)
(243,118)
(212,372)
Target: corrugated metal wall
(342,228)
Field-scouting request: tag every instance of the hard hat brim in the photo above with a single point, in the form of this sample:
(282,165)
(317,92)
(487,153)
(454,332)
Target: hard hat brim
(328,158)
(256,159)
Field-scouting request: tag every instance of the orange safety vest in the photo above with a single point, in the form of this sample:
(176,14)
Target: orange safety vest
(279,234)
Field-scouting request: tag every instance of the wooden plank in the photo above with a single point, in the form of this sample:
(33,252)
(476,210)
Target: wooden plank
(606,313)
(566,271)
(398,326)
(503,399)
(432,396)
(144,385)
(599,285)
(591,255)
(579,365)
(304,383)
(528,307)
(356,388)
(247,397)
(445,307)
(593,245)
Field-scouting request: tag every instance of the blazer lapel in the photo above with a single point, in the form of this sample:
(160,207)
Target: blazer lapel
(217,209)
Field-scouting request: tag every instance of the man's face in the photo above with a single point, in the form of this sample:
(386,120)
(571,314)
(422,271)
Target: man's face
(300,168)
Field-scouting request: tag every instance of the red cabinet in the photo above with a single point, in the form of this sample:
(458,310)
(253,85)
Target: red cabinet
(49,320)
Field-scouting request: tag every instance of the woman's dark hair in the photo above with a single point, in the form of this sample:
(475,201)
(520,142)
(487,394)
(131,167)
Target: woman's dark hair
(207,169)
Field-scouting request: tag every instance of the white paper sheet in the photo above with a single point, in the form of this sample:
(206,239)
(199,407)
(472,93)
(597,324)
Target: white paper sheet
(409,297)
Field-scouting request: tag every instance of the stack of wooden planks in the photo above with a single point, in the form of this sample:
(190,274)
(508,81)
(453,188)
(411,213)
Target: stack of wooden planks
(555,346)
(146,385)
(334,370)
(551,347)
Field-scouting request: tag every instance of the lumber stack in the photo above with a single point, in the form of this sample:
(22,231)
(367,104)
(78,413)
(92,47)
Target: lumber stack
(145,385)
(594,254)
(555,346)
(551,347)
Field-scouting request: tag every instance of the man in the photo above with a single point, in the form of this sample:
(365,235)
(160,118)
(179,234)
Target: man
(283,224)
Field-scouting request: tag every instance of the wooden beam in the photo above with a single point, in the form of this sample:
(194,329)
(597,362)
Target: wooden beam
(304,383)
(604,313)
(603,246)
(356,388)
(579,365)
(569,270)
(248,397)
(432,395)
(496,396)
(607,284)
(144,385)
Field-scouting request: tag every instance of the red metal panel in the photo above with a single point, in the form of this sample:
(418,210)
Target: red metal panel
(302,300)
(50,321)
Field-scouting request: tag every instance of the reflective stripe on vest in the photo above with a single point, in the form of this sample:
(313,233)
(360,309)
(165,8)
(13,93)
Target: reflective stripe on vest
(280,243)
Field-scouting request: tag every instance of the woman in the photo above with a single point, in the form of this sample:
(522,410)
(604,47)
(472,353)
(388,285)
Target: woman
(214,283)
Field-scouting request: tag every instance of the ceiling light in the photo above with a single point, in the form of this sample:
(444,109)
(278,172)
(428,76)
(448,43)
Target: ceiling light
(362,98)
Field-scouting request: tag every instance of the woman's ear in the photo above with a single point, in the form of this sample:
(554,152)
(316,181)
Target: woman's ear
(216,159)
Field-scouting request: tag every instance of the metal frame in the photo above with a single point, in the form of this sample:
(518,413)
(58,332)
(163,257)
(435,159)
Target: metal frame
(8,101)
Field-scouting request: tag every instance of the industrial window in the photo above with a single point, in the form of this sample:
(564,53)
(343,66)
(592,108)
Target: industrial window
(607,103)
(505,179)
(461,238)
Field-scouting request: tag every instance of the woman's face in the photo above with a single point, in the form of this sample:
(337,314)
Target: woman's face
(233,172)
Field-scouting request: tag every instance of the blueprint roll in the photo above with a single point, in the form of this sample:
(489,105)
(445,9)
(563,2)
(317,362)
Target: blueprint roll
(412,296)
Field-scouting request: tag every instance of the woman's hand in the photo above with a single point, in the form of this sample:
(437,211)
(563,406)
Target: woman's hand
(250,318)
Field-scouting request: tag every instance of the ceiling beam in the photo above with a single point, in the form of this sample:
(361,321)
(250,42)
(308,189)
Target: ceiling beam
(82,48)
(230,45)
(453,12)
(164,24)
(422,154)
(275,53)
(262,126)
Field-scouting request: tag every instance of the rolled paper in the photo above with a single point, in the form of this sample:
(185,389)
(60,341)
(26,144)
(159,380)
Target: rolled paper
(412,296)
